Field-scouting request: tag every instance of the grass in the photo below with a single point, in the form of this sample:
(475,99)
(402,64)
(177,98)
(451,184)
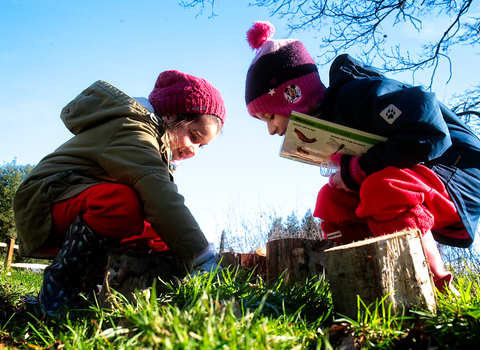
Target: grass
(235,310)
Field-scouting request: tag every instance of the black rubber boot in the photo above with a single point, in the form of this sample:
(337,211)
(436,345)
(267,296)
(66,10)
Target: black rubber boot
(63,279)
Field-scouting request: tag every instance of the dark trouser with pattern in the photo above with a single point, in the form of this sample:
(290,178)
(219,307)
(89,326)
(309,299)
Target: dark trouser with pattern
(63,280)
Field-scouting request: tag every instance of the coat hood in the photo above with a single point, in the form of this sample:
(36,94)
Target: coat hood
(345,68)
(98,104)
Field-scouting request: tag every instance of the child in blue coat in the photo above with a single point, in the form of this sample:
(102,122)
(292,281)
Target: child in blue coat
(425,176)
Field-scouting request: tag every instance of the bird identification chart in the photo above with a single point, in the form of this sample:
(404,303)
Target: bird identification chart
(311,140)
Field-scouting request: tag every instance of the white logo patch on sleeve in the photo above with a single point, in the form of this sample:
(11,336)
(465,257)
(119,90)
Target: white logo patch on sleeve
(390,114)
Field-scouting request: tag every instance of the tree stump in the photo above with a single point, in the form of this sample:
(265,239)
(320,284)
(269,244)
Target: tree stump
(129,270)
(247,260)
(260,261)
(299,258)
(257,260)
(393,267)
(229,259)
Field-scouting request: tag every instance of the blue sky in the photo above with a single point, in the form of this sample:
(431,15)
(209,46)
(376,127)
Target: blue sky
(52,50)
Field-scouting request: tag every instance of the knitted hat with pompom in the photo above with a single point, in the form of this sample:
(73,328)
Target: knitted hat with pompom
(283,77)
(176,92)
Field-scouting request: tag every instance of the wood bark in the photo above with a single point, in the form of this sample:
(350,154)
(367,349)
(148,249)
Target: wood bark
(128,271)
(247,261)
(229,259)
(391,267)
(260,261)
(297,259)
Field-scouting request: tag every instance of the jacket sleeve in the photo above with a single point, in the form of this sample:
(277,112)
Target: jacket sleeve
(409,117)
(132,157)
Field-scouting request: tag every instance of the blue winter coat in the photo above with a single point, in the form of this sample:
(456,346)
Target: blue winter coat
(420,130)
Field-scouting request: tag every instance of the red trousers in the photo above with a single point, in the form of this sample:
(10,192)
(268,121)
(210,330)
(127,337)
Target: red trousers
(386,195)
(111,209)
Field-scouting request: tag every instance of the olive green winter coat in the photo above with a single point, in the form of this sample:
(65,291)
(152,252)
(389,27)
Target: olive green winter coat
(116,140)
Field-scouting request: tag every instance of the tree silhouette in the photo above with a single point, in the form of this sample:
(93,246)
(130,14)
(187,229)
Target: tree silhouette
(276,229)
(308,227)
(311,226)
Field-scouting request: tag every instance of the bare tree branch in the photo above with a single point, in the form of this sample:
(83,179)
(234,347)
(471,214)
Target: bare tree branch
(362,23)
(366,24)
(200,3)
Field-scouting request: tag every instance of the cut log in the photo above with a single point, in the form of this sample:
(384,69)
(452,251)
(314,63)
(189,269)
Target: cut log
(260,261)
(393,267)
(129,271)
(257,260)
(229,259)
(300,259)
(247,260)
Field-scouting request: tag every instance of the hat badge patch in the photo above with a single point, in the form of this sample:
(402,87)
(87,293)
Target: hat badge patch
(391,113)
(293,93)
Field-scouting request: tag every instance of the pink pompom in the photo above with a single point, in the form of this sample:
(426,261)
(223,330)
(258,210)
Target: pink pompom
(260,32)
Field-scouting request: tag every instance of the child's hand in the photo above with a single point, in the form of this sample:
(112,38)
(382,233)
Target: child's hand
(335,180)
(206,262)
(349,170)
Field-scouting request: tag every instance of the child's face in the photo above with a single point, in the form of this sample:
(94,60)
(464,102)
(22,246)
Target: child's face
(188,139)
(276,123)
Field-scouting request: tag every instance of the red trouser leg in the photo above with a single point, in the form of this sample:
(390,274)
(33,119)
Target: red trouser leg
(337,206)
(386,195)
(340,222)
(391,192)
(113,210)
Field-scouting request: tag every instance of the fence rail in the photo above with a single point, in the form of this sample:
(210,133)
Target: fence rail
(8,262)
(5,245)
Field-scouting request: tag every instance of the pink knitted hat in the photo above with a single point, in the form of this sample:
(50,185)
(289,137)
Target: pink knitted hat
(283,77)
(176,92)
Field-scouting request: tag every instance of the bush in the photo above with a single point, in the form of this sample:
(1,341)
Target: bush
(11,176)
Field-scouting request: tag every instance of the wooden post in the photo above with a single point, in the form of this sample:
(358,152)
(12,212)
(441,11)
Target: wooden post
(11,246)
(300,258)
(393,267)
(129,270)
